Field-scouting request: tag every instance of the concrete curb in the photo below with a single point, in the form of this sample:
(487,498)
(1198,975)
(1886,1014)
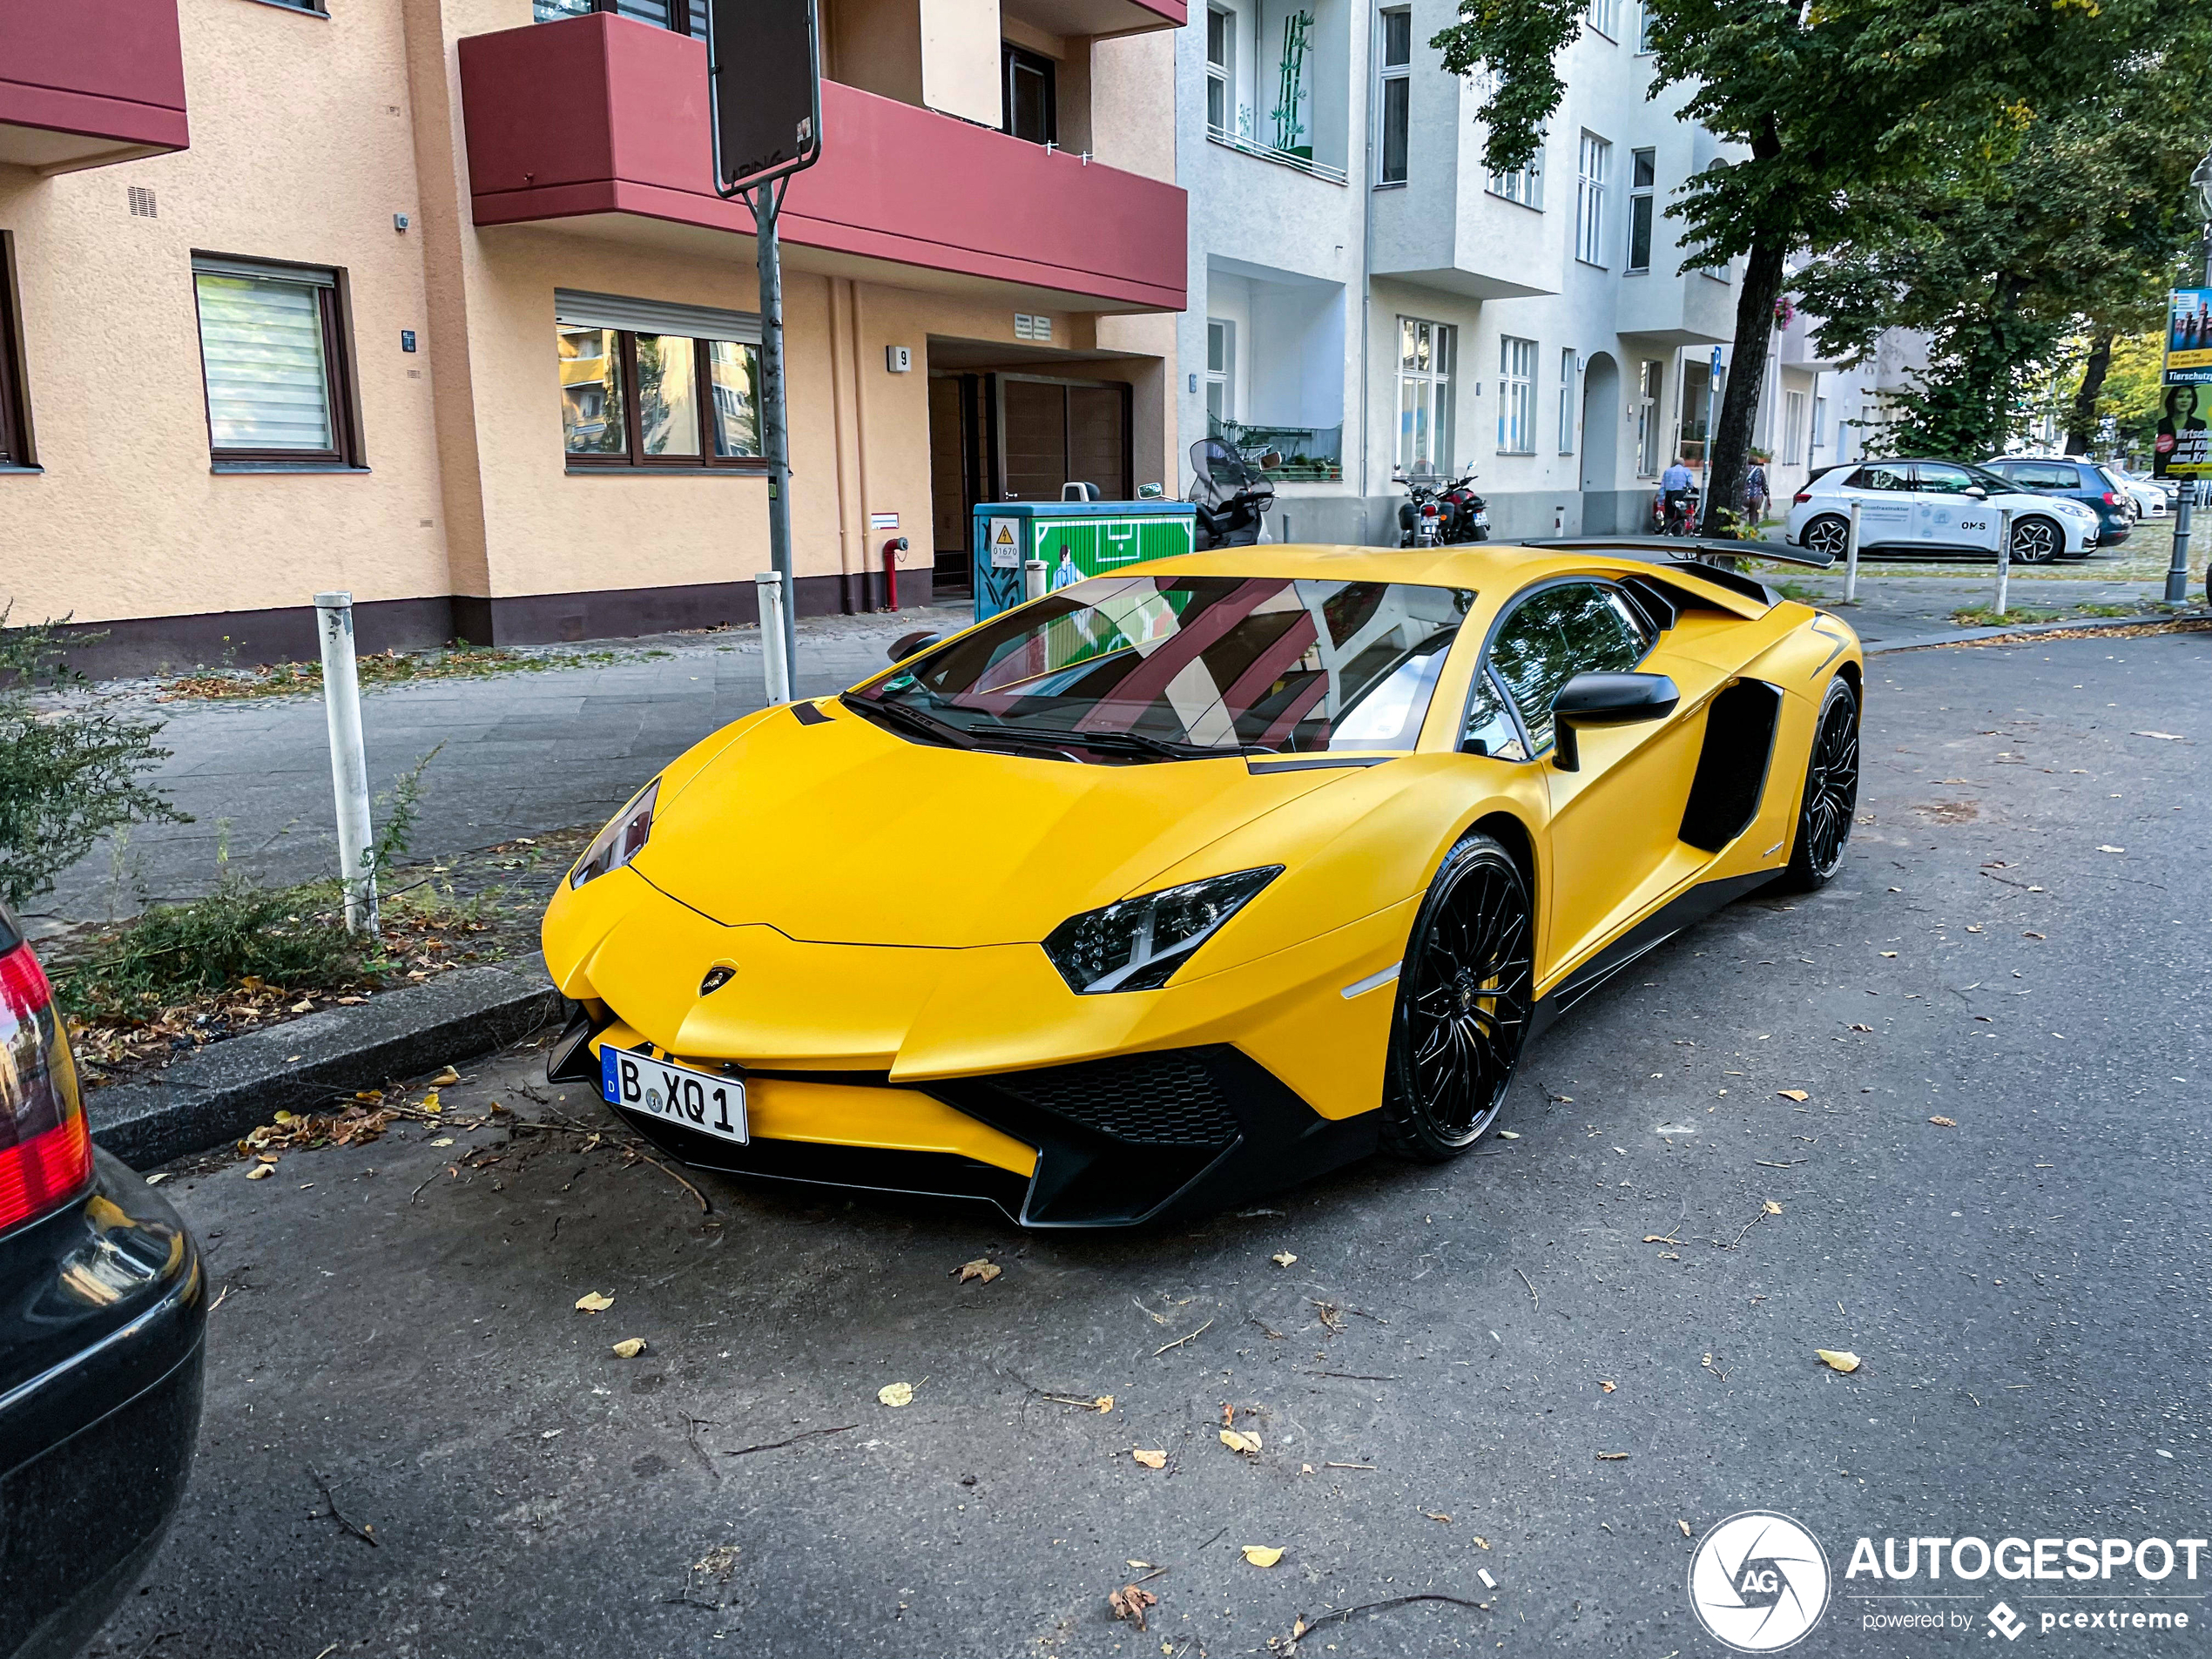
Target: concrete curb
(218,1094)
(2024,630)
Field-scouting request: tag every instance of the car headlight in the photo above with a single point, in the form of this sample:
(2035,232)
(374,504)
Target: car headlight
(1136,944)
(626,835)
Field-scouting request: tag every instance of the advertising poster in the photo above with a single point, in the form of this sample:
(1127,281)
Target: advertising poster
(2182,448)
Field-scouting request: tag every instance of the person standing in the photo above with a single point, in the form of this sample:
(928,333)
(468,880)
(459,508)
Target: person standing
(1754,494)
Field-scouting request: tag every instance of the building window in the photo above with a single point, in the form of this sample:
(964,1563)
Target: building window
(1526,185)
(1516,396)
(1589,200)
(1425,355)
(684,16)
(274,360)
(1566,400)
(647,396)
(1605,16)
(1394,93)
(1642,170)
(1030,91)
(1221,70)
(1644,26)
(15,408)
(1820,424)
(1221,369)
(1793,428)
(1648,377)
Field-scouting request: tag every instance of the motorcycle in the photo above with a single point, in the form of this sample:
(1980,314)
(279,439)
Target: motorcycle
(1435,514)
(1230,495)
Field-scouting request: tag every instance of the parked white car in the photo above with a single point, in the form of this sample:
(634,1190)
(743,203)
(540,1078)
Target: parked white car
(1935,506)
(2149,494)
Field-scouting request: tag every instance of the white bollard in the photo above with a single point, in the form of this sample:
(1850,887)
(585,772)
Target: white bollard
(1851,559)
(2004,558)
(341,706)
(1033,579)
(775,665)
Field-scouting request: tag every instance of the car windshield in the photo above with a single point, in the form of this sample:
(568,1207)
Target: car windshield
(1126,668)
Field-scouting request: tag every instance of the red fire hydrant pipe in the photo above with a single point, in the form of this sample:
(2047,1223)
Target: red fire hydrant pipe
(892,548)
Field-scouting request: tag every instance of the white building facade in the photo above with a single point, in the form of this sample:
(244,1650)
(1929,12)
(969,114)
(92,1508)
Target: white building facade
(1366,298)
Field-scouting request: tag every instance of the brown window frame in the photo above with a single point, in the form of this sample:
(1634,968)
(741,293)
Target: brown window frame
(684,16)
(16,450)
(634,458)
(339,379)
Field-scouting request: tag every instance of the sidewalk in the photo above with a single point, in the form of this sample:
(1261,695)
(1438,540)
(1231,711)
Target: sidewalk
(523,754)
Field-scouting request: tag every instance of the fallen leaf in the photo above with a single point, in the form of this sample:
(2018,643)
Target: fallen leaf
(1281,1258)
(2030,934)
(369,1096)
(1889,953)
(1237,1440)
(1438,1514)
(2111,849)
(1944,1122)
(629,1347)
(1862,1028)
(259,1171)
(1838,1358)
(1262,1554)
(446,1078)
(430,1102)
(443,1139)
(1104,1404)
(896,1394)
(1508,1134)
(593,1302)
(1151,1460)
(1771,1208)
(1611,1457)
(986,1270)
(1129,1602)
(1793,1094)
(2163,736)
(303,1006)
(1481,1539)
(251,983)
(1685,1527)
(1607,1386)
(157,1178)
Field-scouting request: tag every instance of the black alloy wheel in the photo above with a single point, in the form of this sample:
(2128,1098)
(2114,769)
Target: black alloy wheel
(2037,541)
(1831,791)
(1827,534)
(1465,995)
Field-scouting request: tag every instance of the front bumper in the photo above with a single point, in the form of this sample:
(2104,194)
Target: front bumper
(103,1308)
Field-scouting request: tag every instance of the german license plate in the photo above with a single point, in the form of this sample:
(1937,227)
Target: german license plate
(698,1100)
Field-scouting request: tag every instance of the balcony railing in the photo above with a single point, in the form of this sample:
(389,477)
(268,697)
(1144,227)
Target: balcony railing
(1289,454)
(1298,159)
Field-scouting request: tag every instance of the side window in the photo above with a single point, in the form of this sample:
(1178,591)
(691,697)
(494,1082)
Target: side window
(1489,729)
(1940,480)
(1577,628)
(1878,475)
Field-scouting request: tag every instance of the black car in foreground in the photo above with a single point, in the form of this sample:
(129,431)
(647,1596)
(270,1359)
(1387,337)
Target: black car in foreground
(103,1305)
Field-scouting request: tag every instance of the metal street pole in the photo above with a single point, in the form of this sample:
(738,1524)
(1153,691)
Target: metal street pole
(2004,560)
(2177,568)
(1850,558)
(341,704)
(766,202)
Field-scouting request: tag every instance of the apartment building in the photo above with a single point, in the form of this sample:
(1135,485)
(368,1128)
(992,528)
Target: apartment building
(1367,298)
(434,301)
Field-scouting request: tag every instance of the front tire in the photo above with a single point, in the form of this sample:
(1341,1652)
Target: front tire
(1465,995)
(1830,801)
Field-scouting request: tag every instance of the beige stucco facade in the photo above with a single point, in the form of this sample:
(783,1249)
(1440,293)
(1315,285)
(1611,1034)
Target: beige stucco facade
(466,515)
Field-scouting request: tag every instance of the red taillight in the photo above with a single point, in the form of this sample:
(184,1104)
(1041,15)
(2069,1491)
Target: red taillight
(2111,500)
(1801,498)
(46,1147)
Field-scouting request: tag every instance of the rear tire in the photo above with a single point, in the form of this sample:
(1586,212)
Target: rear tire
(1827,534)
(2037,541)
(1465,996)
(1830,801)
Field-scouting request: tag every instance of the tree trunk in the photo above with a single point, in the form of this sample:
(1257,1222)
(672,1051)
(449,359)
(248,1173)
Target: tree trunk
(1730,456)
(2083,425)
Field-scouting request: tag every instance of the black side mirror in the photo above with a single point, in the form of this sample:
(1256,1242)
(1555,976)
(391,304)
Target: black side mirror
(906,644)
(1606,699)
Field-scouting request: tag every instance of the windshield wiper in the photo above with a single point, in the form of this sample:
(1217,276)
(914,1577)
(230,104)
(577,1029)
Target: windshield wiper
(1126,742)
(917,722)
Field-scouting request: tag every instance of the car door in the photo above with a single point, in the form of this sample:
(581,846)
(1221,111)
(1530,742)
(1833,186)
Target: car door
(1883,492)
(1944,514)
(1612,832)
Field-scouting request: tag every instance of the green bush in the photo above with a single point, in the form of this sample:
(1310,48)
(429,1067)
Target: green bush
(295,937)
(67,776)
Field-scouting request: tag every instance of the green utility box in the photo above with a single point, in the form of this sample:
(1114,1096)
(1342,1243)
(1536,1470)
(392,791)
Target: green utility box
(1074,539)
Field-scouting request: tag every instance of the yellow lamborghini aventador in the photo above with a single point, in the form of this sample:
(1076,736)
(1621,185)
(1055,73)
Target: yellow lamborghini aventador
(1178,886)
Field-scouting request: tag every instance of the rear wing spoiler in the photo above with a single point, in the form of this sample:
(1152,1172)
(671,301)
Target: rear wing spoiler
(1749,587)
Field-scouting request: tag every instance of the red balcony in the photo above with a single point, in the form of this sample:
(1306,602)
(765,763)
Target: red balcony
(602,122)
(81,86)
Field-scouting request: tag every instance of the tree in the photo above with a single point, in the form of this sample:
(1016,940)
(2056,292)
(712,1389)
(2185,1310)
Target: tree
(1840,108)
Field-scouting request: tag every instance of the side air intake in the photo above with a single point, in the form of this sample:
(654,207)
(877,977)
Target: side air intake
(1732,767)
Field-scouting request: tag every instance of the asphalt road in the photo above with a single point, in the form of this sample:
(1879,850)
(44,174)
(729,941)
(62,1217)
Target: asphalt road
(1443,1382)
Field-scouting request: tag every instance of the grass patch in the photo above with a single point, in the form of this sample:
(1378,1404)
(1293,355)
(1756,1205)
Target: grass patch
(1983,617)
(458,661)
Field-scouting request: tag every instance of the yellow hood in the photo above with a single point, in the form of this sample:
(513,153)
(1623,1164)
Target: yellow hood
(842,833)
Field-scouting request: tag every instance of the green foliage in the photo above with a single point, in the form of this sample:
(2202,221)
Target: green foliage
(403,807)
(295,937)
(67,775)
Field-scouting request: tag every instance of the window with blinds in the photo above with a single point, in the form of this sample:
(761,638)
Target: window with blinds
(272,357)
